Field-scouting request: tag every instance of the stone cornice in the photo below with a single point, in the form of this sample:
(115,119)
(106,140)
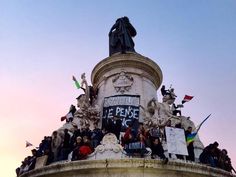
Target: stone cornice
(131,167)
(130,60)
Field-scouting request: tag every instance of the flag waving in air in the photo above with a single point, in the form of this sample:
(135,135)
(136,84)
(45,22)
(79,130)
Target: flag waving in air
(67,117)
(187,98)
(76,82)
(190,137)
(28,144)
(199,126)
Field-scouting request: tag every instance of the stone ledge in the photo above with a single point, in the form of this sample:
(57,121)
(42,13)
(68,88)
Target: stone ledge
(128,168)
(129,60)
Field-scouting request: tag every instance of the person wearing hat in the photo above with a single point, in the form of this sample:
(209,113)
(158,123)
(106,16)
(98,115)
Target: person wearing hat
(76,133)
(75,153)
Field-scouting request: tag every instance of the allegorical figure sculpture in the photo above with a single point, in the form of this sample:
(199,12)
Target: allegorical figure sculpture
(120,36)
(88,111)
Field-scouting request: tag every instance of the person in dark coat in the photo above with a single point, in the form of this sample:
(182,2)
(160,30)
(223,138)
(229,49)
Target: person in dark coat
(32,159)
(76,133)
(224,162)
(107,125)
(86,131)
(75,153)
(65,146)
(116,125)
(158,150)
(163,90)
(210,154)
(97,136)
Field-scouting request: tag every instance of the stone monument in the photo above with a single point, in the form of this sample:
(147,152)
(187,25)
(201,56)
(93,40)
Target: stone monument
(125,85)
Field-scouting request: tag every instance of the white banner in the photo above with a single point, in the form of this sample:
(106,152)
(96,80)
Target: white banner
(176,142)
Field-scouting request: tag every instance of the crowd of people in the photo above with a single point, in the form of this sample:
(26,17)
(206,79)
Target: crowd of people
(215,157)
(28,163)
(77,145)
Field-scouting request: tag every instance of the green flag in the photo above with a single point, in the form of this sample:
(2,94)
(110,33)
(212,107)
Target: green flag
(76,82)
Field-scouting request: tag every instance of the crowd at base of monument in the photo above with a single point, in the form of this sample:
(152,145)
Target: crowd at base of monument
(83,142)
(142,141)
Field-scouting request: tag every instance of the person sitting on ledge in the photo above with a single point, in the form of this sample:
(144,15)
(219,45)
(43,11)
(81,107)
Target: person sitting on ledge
(32,159)
(164,91)
(24,167)
(175,110)
(28,163)
(172,93)
(224,162)
(210,154)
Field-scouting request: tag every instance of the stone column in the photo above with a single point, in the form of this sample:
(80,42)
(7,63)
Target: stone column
(127,74)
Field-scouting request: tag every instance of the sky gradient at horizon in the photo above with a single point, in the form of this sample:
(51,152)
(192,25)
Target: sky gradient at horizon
(44,43)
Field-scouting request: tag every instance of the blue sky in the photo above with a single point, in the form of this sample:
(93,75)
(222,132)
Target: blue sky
(43,43)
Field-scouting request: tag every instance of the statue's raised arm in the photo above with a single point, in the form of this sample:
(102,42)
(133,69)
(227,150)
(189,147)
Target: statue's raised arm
(120,36)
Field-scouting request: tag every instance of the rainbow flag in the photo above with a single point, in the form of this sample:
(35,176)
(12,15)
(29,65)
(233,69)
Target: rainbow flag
(190,137)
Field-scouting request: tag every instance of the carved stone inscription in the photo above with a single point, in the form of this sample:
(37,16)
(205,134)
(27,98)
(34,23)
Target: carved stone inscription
(122,82)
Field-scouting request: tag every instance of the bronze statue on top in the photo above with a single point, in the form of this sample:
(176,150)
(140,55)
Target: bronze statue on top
(120,36)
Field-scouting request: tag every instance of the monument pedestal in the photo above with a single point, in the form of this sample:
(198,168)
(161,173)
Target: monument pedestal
(133,75)
(127,168)
(129,73)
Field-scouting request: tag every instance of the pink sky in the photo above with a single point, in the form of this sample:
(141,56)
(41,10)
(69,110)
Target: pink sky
(44,43)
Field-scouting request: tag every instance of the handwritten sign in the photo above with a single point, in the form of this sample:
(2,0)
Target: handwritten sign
(125,107)
(176,143)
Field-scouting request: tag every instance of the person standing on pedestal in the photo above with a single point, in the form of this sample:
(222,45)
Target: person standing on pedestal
(190,147)
(175,110)
(116,126)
